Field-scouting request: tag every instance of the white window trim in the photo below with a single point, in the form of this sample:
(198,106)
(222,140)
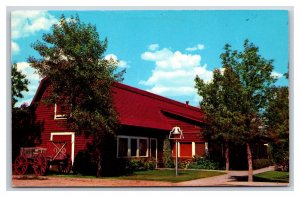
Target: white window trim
(193,149)
(72,134)
(178,149)
(58,116)
(206,148)
(129,146)
(155,150)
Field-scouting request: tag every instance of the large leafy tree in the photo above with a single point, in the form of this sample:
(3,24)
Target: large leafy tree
(245,96)
(277,116)
(71,56)
(221,102)
(255,74)
(19,84)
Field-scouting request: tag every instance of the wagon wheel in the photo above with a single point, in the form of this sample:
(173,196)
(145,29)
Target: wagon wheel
(21,165)
(65,166)
(39,165)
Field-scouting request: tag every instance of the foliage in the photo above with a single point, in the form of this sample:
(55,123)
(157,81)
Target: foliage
(254,75)
(125,166)
(140,165)
(19,83)
(236,99)
(221,103)
(72,59)
(277,115)
(167,154)
(24,132)
(203,163)
(280,154)
(81,161)
(261,163)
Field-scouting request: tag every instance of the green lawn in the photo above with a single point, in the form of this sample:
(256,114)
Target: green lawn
(169,175)
(272,176)
(159,175)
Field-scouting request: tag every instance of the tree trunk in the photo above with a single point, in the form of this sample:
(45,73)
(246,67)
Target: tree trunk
(250,169)
(227,156)
(99,163)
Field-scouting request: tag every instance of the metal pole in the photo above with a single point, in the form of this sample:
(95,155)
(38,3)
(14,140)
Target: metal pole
(176,158)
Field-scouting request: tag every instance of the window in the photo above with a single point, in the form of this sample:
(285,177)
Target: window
(123,147)
(131,146)
(143,147)
(61,111)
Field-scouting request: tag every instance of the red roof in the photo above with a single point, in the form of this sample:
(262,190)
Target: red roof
(140,108)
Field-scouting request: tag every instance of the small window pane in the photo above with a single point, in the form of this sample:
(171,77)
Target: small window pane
(133,147)
(123,147)
(143,147)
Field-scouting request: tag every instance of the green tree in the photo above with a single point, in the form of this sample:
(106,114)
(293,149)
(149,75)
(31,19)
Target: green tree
(72,59)
(277,116)
(255,74)
(221,102)
(246,98)
(19,84)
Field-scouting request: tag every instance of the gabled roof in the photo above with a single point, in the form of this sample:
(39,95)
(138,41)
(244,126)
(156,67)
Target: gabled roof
(141,108)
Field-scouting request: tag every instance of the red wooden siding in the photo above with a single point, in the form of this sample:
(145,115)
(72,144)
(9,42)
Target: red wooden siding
(136,108)
(45,120)
(191,132)
(200,149)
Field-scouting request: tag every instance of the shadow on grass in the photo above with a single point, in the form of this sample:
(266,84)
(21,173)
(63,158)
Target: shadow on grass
(260,179)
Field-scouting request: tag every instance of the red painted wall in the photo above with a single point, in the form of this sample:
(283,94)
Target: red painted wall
(191,129)
(45,120)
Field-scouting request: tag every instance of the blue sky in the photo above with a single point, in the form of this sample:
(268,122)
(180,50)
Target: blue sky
(163,51)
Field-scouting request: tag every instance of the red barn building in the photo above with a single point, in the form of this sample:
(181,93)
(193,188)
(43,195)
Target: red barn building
(146,120)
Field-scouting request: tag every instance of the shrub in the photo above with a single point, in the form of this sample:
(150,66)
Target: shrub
(184,164)
(83,163)
(261,163)
(139,165)
(279,152)
(203,163)
(167,154)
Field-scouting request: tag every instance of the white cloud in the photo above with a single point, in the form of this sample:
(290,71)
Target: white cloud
(276,74)
(121,63)
(26,69)
(25,23)
(195,48)
(153,47)
(33,78)
(174,73)
(15,47)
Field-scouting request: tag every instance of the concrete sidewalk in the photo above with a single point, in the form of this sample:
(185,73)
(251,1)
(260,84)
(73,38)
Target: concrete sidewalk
(230,179)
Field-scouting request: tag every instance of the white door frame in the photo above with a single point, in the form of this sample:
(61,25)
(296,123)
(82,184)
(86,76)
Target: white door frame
(72,134)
